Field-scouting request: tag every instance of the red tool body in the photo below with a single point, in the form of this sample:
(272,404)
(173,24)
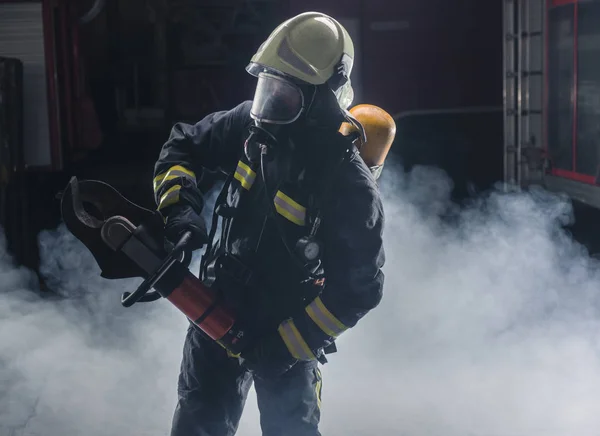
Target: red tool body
(127,241)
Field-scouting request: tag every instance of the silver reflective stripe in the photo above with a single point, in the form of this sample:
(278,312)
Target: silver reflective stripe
(322,317)
(296,345)
(290,209)
(245,175)
(376,171)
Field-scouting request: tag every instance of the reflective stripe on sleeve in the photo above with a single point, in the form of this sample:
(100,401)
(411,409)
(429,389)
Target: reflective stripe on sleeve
(289,209)
(173,173)
(296,345)
(245,175)
(171,196)
(324,318)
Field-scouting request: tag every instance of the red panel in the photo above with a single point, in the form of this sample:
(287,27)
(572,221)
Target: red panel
(546,81)
(76,65)
(67,108)
(60,46)
(51,77)
(575,96)
(66,69)
(584,178)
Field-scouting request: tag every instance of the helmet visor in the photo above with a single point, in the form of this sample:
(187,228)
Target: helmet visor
(276,100)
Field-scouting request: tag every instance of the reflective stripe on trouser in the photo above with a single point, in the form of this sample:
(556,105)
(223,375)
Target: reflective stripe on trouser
(171,174)
(319,387)
(294,341)
(290,209)
(245,175)
(322,317)
(213,388)
(290,405)
(171,196)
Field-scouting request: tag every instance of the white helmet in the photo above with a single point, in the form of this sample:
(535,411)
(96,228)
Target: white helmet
(312,49)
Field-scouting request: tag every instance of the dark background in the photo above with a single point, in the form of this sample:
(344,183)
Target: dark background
(142,65)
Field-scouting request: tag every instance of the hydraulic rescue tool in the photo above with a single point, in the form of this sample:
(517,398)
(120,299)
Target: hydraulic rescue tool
(128,241)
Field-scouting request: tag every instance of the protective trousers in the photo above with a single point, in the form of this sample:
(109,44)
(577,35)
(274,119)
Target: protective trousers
(213,388)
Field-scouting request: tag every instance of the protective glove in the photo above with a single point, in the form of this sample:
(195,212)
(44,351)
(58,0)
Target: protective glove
(269,357)
(183,218)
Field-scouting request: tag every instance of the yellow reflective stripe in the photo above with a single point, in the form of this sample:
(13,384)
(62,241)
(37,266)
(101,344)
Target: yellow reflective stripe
(324,318)
(171,196)
(319,387)
(294,341)
(246,168)
(245,175)
(288,208)
(172,173)
(230,354)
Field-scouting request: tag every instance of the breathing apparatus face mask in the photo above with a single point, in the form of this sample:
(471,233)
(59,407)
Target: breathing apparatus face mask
(277,104)
(276,100)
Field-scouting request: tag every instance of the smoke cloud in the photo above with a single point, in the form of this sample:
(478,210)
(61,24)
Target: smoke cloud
(488,327)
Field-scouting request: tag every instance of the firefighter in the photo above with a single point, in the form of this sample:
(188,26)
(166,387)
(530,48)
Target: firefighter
(295,246)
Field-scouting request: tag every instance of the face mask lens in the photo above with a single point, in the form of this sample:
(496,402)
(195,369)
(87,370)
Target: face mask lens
(276,100)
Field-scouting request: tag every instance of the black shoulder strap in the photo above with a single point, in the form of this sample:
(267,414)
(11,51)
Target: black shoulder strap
(220,203)
(319,198)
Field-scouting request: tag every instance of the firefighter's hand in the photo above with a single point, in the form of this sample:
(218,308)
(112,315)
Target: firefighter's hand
(269,357)
(183,218)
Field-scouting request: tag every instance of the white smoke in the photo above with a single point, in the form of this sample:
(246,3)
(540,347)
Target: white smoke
(488,327)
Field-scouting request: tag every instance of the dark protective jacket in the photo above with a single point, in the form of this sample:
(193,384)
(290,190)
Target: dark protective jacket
(309,315)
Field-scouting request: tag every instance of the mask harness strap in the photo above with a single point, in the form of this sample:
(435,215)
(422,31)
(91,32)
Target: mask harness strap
(217,212)
(309,273)
(273,213)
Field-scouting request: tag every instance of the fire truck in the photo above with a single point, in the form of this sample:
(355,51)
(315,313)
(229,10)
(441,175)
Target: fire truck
(552,96)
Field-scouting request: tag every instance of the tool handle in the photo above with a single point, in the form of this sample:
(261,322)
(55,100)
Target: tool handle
(129,299)
(149,297)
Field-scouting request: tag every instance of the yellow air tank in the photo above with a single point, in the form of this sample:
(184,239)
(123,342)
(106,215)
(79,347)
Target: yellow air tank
(380,131)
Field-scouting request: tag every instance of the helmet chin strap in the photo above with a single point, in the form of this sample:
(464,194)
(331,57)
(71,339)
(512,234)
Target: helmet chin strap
(324,110)
(308,109)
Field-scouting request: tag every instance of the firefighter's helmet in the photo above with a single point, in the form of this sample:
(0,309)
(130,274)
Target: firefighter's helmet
(311,48)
